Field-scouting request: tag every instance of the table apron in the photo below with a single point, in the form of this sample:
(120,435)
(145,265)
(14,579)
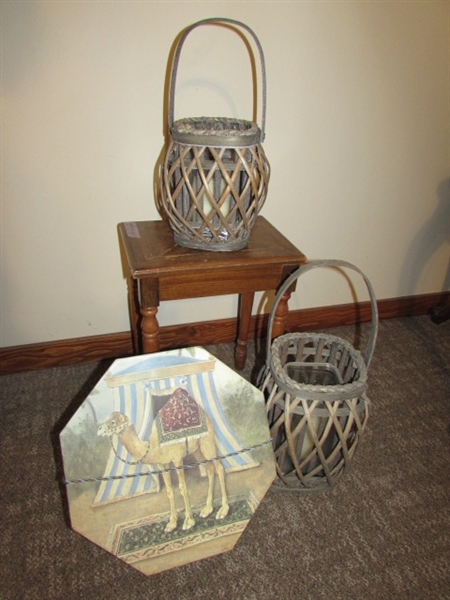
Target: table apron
(219,284)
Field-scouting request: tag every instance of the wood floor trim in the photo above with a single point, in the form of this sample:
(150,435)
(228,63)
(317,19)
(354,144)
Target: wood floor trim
(102,347)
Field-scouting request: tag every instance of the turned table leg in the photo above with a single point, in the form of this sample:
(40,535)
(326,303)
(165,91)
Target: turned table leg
(149,330)
(245,313)
(280,316)
(149,302)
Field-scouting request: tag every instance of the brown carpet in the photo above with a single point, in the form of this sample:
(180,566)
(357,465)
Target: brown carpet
(382,533)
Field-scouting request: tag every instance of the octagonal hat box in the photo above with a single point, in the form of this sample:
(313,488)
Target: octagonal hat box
(167,459)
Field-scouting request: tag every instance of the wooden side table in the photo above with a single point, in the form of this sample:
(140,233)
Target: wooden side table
(161,270)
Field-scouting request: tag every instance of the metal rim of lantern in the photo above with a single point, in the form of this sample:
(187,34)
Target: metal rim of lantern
(215,173)
(329,412)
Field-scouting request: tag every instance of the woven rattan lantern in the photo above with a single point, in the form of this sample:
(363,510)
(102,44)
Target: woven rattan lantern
(215,173)
(316,402)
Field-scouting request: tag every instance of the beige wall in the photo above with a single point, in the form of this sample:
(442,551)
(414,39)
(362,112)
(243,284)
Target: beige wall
(357,136)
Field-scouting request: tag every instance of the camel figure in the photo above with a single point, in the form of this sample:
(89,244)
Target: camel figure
(151,452)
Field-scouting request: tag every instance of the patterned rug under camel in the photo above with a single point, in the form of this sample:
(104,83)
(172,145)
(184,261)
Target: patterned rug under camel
(167,459)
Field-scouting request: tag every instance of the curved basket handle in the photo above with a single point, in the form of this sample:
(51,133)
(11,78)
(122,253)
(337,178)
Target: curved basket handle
(176,59)
(326,263)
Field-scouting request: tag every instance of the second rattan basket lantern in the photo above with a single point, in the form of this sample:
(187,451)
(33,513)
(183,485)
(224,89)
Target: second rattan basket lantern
(215,173)
(315,390)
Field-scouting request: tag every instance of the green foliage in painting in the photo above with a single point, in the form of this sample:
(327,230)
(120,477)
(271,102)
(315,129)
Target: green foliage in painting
(246,414)
(85,453)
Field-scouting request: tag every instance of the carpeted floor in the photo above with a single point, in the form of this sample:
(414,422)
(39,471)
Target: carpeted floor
(382,533)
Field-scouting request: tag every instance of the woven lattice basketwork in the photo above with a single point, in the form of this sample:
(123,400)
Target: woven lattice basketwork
(215,173)
(315,390)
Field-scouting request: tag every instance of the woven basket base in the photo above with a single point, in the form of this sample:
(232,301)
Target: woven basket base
(211,246)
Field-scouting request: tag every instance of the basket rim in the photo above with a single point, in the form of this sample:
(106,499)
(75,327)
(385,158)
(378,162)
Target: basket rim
(216,132)
(308,391)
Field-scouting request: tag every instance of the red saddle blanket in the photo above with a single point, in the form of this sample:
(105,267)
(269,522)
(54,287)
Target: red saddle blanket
(180,417)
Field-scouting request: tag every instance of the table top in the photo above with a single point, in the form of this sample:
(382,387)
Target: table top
(152,252)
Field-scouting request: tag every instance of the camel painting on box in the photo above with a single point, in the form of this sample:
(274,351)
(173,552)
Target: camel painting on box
(167,459)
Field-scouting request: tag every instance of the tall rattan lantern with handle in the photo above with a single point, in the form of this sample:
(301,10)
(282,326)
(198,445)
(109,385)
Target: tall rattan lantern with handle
(315,388)
(215,173)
